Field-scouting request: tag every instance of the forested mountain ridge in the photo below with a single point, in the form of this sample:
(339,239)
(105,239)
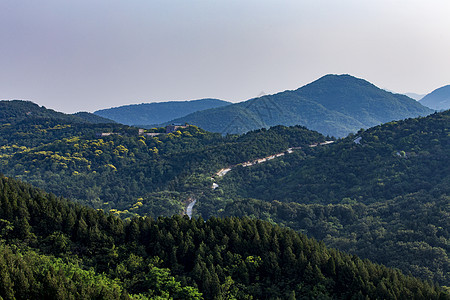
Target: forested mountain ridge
(20,110)
(438,99)
(382,193)
(367,163)
(158,112)
(228,258)
(334,105)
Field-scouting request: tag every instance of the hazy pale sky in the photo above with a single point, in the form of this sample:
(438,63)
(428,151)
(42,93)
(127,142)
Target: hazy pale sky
(86,55)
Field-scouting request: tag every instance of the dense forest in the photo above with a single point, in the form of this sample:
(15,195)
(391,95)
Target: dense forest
(382,193)
(55,249)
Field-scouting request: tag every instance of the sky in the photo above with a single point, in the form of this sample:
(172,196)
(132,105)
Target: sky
(87,55)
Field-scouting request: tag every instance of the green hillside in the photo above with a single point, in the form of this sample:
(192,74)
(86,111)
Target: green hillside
(334,105)
(53,249)
(111,166)
(382,193)
(157,113)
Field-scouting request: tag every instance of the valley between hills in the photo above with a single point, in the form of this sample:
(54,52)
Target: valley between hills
(92,208)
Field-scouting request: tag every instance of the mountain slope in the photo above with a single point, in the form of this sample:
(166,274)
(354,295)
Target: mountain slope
(333,105)
(438,99)
(157,113)
(383,194)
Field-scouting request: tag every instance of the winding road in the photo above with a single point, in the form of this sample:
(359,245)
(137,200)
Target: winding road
(223,172)
(189,208)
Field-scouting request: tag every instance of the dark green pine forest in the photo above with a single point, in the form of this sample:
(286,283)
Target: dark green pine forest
(114,225)
(55,249)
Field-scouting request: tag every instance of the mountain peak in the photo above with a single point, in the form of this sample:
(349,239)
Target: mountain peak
(333,105)
(341,80)
(439,99)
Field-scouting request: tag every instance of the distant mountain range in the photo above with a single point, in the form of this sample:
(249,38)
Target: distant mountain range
(333,105)
(438,99)
(157,113)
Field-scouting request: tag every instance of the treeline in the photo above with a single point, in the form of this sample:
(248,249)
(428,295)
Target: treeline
(222,258)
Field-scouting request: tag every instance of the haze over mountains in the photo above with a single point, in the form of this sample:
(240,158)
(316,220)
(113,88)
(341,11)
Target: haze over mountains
(333,105)
(438,99)
(415,96)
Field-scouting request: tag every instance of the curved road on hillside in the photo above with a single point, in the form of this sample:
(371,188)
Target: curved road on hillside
(224,171)
(189,209)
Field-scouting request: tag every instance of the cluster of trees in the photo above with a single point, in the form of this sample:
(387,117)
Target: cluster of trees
(228,258)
